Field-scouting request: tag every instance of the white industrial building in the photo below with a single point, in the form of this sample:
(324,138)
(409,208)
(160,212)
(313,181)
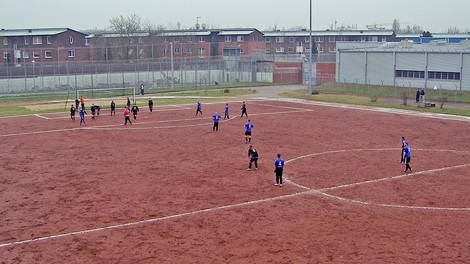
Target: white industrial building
(438,64)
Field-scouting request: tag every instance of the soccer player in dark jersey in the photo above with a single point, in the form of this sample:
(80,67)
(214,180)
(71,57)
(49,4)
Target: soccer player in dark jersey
(407,156)
(244,110)
(150,105)
(198,108)
(278,169)
(113,108)
(93,112)
(226,112)
(216,117)
(248,128)
(98,109)
(403,143)
(128,103)
(253,155)
(77,102)
(135,111)
(72,113)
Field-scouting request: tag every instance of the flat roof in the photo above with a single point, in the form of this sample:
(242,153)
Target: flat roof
(32,32)
(322,33)
(434,47)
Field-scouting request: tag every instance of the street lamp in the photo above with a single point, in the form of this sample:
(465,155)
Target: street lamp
(34,73)
(172,68)
(310,62)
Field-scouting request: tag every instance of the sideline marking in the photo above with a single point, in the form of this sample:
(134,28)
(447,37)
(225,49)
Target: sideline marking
(43,117)
(306,190)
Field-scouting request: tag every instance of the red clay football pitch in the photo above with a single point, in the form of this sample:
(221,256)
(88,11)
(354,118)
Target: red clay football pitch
(167,189)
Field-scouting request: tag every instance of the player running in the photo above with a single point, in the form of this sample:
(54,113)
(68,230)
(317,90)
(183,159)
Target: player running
(248,128)
(198,108)
(253,155)
(127,112)
(135,111)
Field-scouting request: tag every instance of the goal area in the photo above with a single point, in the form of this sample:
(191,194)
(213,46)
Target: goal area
(107,93)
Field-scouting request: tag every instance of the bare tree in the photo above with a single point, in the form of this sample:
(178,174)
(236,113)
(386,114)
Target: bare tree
(453,30)
(128,29)
(396,26)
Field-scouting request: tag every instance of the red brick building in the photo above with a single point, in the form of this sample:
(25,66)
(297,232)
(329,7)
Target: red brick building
(45,46)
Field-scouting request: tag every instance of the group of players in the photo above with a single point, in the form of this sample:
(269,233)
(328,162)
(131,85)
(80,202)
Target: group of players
(253,154)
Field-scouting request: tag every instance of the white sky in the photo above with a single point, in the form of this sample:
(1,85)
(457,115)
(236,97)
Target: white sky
(433,15)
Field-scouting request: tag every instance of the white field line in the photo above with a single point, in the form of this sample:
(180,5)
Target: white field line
(40,116)
(307,190)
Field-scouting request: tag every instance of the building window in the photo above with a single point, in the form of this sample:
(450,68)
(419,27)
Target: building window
(268,50)
(319,39)
(177,39)
(189,39)
(26,41)
(291,40)
(279,49)
(35,55)
(48,54)
(48,40)
(190,51)
(176,50)
(228,38)
(37,40)
(307,39)
(331,39)
(342,39)
(239,38)
(373,39)
(409,74)
(290,50)
(26,54)
(299,44)
(87,42)
(363,39)
(320,48)
(71,53)
(267,40)
(201,53)
(279,39)
(5,41)
(71,40)
(444,75)
(201,39)
(384,39)
(332,49)
(5,55)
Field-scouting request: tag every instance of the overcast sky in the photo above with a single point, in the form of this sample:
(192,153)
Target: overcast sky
(433,15)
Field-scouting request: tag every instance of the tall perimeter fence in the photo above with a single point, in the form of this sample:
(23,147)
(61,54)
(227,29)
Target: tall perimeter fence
(153,74)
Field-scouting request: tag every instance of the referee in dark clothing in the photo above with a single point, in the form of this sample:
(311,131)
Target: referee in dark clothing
(253,155)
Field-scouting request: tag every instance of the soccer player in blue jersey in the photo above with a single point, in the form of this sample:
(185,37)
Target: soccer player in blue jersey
(403,143)
(198,108)
(226,112)
(407,156)
(216,117)
(279,167)
(253,155)
(82,116)
(248,127)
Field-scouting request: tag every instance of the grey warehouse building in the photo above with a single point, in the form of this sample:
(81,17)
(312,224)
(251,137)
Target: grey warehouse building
(438,64)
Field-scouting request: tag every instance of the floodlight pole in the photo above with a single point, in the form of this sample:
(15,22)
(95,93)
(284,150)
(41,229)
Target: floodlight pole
(310,59)
(172,66)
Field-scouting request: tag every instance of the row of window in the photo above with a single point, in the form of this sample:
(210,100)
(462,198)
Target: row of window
(36,54)
(37,40)
(431,75)
(322,39)
(291,50)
